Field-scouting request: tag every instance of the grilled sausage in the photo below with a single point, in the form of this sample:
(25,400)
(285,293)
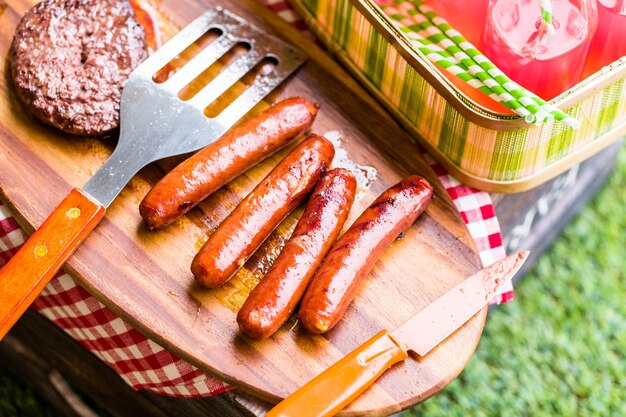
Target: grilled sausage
(258,214)
(274,299)
(212,167)
(352,257)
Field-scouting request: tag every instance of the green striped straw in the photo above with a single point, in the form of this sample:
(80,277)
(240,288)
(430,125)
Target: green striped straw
(442,35)
(443,58)
(546,16)
(541,111)
(427,29)
(521,94)
(531,112)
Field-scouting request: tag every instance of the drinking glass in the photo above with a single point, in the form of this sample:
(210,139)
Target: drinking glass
(609,42)
(519,43)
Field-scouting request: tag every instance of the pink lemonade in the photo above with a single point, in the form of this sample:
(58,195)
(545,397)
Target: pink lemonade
(514,40)
(609,42)
(466,16)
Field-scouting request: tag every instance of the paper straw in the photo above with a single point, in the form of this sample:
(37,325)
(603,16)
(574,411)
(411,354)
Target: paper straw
(546,16)
(540,106)
(441,57)
(427,29)
(532,112)
(540,111)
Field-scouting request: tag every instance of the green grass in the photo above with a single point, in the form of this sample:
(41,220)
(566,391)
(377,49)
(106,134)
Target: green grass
(558,350)
(17,400)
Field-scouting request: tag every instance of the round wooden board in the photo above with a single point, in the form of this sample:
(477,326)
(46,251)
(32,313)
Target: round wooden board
(144,277)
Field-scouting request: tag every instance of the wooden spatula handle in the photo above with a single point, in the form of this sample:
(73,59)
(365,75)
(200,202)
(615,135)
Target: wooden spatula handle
(44,253)
(342,383)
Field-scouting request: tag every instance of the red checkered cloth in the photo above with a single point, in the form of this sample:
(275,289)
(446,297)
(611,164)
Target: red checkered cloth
(144,364)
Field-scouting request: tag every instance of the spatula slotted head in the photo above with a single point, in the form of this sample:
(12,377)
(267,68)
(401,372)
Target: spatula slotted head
(156,123)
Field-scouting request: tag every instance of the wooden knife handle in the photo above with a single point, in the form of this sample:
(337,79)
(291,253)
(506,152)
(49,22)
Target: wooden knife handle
(44,253)
(342,383)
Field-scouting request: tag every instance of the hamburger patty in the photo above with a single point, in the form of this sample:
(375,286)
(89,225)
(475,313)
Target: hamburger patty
(70,59)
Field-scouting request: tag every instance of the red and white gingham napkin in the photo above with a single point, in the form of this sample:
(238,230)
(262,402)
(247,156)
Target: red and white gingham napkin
(144,364)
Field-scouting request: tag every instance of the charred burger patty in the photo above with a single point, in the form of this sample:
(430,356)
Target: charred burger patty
(70,59)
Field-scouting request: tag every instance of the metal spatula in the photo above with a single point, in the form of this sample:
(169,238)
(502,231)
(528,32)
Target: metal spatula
(155,124)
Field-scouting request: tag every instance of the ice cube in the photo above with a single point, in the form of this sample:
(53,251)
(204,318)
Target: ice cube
(576,25)
(507,17)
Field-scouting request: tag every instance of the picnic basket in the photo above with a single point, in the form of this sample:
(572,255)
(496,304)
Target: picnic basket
(488,150)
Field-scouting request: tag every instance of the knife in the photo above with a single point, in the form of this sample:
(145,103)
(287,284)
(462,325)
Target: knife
(342,383)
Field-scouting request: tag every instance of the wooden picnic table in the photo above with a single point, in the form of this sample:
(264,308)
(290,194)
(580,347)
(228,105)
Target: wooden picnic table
(56,366)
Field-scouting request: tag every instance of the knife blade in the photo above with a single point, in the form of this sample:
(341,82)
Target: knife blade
(339,385)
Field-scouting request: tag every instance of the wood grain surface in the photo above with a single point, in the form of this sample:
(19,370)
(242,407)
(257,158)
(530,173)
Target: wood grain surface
(144,276)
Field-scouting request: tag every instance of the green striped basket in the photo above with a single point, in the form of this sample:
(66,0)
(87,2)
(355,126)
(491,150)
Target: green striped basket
(492,151)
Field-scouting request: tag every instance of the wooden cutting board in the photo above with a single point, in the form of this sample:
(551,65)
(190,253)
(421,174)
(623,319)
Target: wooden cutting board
(144,277)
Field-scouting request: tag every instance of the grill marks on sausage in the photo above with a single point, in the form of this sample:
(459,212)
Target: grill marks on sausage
(274,299)
(258,214)
(381,208)
(196,178)
(351,259)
